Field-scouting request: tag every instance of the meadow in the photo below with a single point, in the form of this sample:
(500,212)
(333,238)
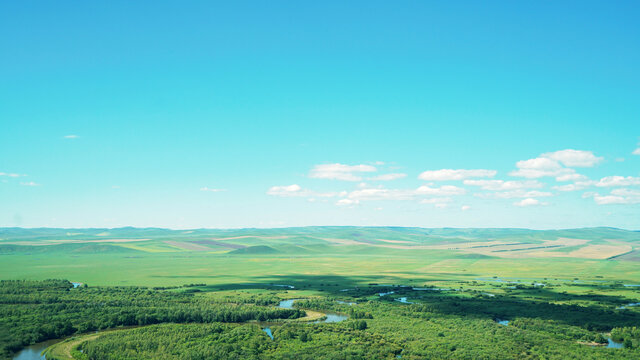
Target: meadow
(159,257)
(409,292)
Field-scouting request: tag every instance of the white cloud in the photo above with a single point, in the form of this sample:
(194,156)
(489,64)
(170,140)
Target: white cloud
(550,165)
(212,190)
(528,202)
(457,174)
(540,167)
(347,202)
(440,194)
(578,185)
(636,151)
(381,194)
(441,206)
(295,190)
(616,196)
(286,191)
(608,199)
(536,173)
(388,177)
(499,185)
(539,163)
(10,174)
(568,187)
(440,191)
(618,181)
(571,177)
(438,200)
(340,171)
(30,183)
(626,192)
(519,193)
(574,158)
(71,136)
(465,207)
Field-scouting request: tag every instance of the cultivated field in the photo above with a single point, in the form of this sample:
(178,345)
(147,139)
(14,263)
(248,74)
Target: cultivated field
(415,293)
(160,257)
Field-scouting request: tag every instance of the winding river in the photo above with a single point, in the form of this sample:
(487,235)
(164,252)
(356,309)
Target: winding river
(33,352)
(288,304)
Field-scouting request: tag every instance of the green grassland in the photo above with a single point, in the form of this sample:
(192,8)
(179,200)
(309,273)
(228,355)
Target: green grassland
(546,322)
(559,289)
(160,257)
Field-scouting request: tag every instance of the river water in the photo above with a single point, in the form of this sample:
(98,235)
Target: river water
(330,318)
(614,345)
(288,304)
(403,300)
(33,352)
(268,331)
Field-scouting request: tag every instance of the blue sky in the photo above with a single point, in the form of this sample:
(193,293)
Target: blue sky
(271,114)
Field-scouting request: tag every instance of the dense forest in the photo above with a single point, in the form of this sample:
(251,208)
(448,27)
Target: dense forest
(224,341)
(195,322)
(34,311)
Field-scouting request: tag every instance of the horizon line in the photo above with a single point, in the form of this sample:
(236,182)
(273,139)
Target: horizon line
(319,226)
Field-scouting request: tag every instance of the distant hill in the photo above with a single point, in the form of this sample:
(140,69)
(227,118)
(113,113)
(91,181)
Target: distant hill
(254,250)
(471,243)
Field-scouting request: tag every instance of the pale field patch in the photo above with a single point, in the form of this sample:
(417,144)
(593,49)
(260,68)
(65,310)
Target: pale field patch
(115,240)
(341,241)
(402,247)
(396,241)
(530,250)
(310,316)
(617,242)
(187,246)
(586,252)
(468,245)
(511,247)
(454,246)
(600,251)
(566,242)
(147,248)
(70,241)
(253,236)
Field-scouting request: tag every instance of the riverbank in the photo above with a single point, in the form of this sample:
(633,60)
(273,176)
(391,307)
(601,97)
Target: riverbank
(68,349)
(65,350)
